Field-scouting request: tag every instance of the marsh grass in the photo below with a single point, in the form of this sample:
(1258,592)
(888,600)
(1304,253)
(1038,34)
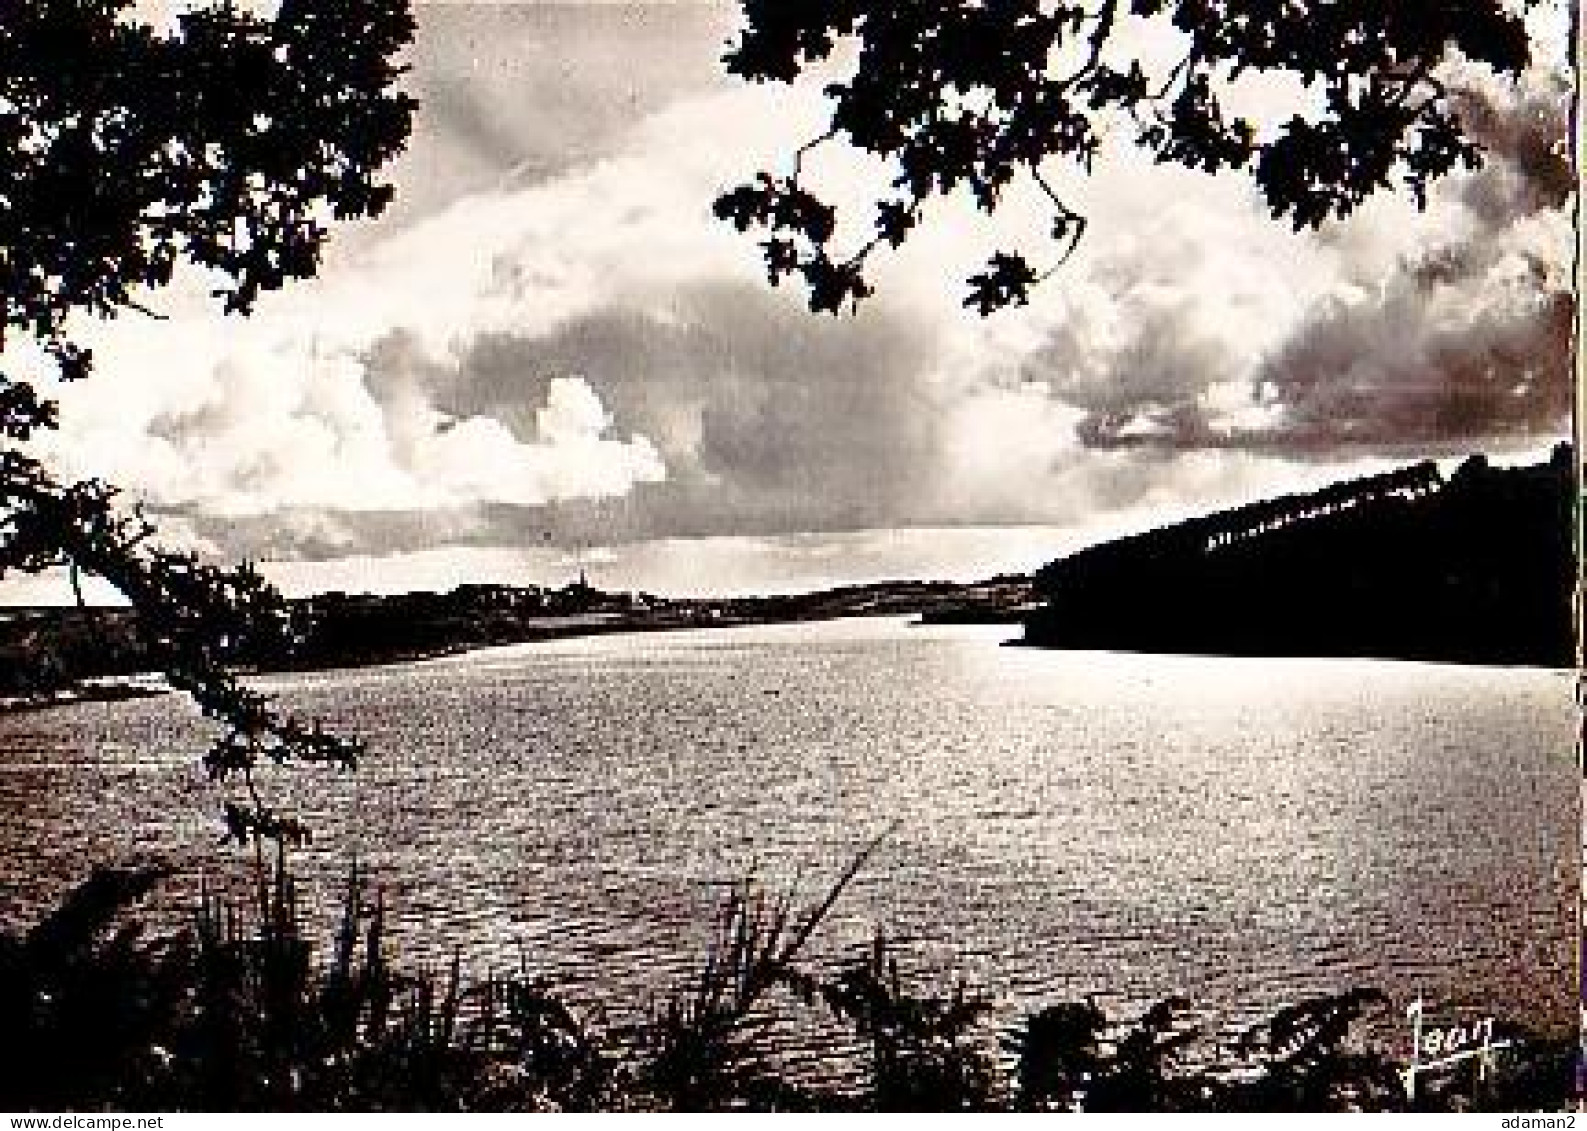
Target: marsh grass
(240,1011)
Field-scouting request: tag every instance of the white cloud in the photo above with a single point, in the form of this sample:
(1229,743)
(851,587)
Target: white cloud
(271,428)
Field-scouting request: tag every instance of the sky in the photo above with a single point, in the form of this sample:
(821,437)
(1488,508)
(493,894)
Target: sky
(548,355)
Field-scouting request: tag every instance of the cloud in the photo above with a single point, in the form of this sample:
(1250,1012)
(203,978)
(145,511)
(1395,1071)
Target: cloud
(764,418)
(745,392)
(1395,330)
(1467,337)
(1451,352)
(526,92)
(269,438)
(576,353)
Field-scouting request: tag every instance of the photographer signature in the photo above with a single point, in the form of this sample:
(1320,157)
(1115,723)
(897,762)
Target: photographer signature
(1434,1047)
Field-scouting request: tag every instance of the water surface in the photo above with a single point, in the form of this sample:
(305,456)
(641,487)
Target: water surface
(1242,831)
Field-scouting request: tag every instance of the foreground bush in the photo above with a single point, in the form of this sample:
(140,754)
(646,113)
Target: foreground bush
(238,1012)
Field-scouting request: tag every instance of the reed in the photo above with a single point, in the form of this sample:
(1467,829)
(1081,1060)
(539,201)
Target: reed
(240,1011)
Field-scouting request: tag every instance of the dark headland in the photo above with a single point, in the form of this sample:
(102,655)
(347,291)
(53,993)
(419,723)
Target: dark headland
(1476,568)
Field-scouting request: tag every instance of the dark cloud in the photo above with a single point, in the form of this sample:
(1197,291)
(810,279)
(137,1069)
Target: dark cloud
(1526,135)
(529,91)
(301,534)
(767,418)
(1157,378)
(1470,340)
(1465,342)
(768,421)
(1359,374)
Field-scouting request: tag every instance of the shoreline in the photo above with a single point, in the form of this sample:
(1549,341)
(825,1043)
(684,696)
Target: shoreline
(150,685)
(110,689)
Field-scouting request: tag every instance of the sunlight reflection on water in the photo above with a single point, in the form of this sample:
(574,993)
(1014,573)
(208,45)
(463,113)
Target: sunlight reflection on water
(1242,831)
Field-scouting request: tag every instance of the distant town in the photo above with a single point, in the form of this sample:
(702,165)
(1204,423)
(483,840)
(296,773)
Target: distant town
(357,629)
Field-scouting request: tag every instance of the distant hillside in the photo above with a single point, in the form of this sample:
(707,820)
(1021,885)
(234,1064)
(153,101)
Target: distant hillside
(1476,569)
(51,655)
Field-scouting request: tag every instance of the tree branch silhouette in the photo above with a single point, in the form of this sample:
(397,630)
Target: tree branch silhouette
(227,145)
(961,95)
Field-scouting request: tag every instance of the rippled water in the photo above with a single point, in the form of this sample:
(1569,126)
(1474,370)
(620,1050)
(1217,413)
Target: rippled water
(1242,831)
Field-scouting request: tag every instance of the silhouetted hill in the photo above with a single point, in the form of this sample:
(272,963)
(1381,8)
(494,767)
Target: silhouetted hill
(1476,569)
(52,655)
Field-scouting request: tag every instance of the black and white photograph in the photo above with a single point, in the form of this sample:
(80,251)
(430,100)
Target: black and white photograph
(824,556)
